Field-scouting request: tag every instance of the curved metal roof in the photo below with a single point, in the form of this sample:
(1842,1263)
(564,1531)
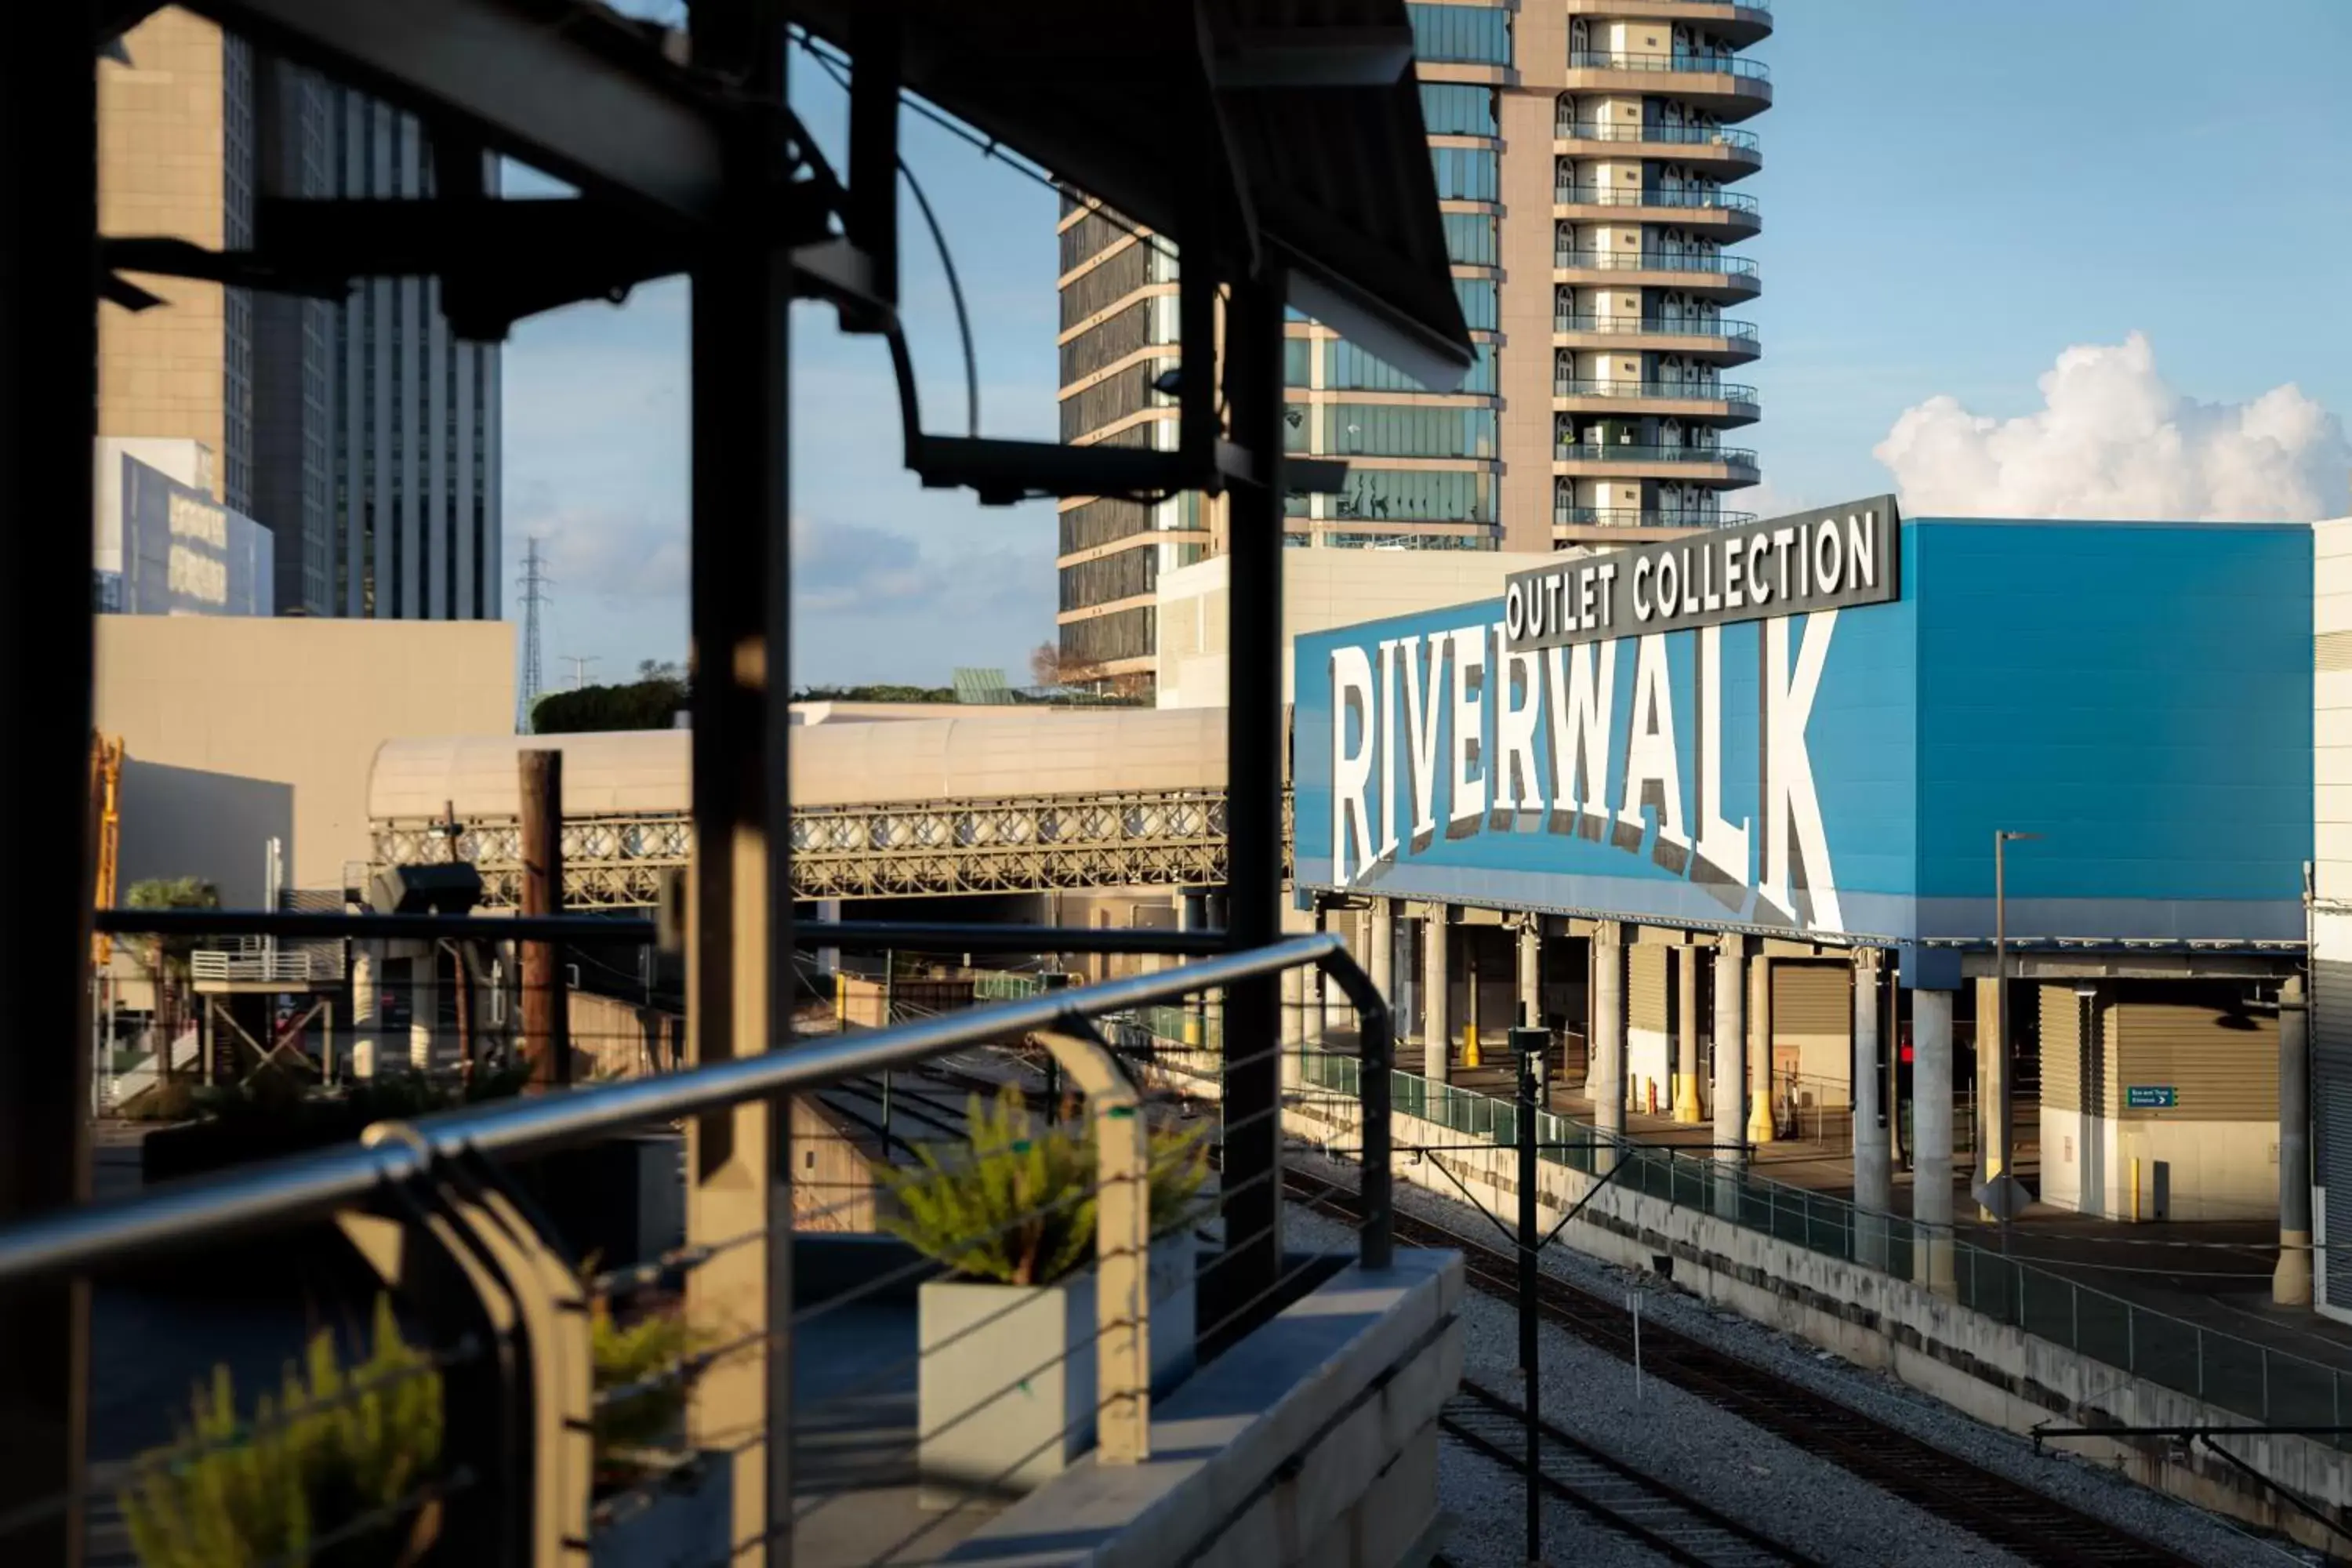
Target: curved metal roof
(649,772)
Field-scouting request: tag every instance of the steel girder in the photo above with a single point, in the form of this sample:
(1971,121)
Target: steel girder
(911,850)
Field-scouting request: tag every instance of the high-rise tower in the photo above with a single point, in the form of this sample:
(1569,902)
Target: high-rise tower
(1584,152)
(361,434)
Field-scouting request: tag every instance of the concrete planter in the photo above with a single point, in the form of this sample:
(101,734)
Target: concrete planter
(687,1523)
(983,1437)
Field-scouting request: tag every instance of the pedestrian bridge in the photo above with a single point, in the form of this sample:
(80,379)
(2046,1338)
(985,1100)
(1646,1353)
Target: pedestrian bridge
(888,802)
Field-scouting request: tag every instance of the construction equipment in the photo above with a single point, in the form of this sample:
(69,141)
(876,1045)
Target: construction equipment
(105,791)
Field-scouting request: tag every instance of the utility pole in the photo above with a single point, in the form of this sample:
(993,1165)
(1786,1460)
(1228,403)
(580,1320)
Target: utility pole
(546,1006)
(580,663)
(2000,1194)
(1527,1045)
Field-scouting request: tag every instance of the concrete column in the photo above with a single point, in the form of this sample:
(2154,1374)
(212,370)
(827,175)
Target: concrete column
(425,1007)
(1437,1018)
(2291,1279)
(1730,1048)
(1931,1138)
(367,1007)
(1380,950)
(1608,1085)
(1730,1069)
(1687,959)
(1531,972)
(1760,1130)
(828,959)
(1191,915)
(1873,1170)
(1992,1088)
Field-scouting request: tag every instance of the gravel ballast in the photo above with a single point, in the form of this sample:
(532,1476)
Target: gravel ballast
(1749,1474)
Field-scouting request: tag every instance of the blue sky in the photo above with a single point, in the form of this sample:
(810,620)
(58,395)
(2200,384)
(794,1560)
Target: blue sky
(1954,195)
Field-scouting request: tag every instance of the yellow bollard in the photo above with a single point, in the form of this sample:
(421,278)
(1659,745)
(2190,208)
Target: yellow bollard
(1470,1044)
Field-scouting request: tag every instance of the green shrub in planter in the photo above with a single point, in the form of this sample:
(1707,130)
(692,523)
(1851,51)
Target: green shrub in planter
(1018,1208)
(634,1432)
(1005,1395)
(285,1485)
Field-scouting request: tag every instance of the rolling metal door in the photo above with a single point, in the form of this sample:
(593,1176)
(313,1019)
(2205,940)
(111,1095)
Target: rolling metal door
(1813,999)
(1645,987)
(2331,1103)
(2061,1049)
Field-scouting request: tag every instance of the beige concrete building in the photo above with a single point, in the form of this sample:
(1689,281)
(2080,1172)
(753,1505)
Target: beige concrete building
(362,434)
(1320,589)
(1584,154)
(239,729)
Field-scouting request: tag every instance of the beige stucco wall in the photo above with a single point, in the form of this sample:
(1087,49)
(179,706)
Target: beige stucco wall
(237,727)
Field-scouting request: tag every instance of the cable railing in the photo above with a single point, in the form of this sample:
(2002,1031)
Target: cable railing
(1711,63)
(1666,390)
(2242,1376)
(1686,197)
(1615,452)
(1663,135)
(1655,326)
(1644,517)
(1655,261)
(527,1337)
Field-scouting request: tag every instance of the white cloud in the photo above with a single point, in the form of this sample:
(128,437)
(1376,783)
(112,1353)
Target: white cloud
(2113,439)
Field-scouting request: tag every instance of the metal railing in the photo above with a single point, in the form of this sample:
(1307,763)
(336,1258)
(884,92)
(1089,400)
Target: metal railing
(1713,64)
(1685,199)
(1664,135)
(1655,261)
(2242,1376)
(1610,452)
(261,963)
(540,1396)
(1649,326)
(1664,391)
(1644,517)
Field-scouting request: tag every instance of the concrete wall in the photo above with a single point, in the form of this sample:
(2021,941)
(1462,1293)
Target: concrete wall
(188,822)
(1320,589)
(298,705)
(1312,1441)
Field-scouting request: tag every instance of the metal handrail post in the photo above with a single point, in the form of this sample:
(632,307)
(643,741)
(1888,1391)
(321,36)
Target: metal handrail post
(1376,1049)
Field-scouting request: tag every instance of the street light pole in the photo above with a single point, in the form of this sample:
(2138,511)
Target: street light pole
(2002,1109)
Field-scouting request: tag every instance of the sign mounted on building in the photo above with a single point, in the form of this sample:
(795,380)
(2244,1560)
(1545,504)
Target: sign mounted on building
(1616,734)
(1832,559)
(2151,1097)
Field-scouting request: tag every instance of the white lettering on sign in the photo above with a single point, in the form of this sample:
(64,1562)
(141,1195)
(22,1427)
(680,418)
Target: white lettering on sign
(1409,710)
(1421,700)
(1832,559)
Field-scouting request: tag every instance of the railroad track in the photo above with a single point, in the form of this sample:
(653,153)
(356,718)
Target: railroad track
(1670,1522)
(2031,1525)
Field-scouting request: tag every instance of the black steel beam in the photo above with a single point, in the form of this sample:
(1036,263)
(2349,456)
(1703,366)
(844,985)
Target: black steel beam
(49,402)
(312,925)
(1252,1077)
(574,90)
(939,936)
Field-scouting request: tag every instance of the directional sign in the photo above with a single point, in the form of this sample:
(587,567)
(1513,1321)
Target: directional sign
(2151,1097)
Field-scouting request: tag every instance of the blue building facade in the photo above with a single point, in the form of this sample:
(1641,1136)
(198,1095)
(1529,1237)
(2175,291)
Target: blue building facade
(2138,695)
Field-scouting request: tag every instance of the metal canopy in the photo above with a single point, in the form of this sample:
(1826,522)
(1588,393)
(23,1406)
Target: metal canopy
(1315,126)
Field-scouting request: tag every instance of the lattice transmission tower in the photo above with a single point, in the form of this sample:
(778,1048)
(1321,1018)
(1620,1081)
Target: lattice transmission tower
(535,583)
